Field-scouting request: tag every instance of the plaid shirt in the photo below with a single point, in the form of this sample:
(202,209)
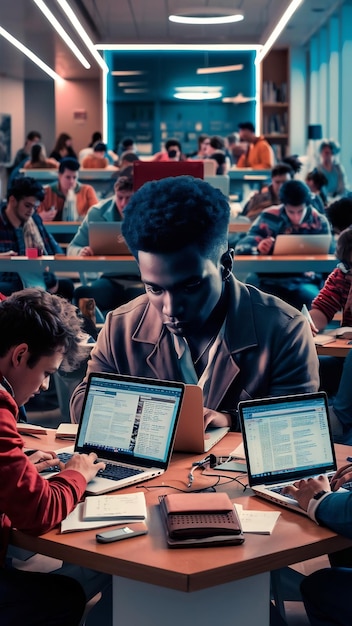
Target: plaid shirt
(274,221)
(12,238)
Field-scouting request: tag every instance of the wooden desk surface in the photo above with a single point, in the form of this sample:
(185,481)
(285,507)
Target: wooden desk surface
(147,559)
(125,264)
(339,347)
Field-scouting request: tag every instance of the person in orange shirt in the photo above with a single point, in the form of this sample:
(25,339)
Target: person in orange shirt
(97,160)
(51,208)
(259,154)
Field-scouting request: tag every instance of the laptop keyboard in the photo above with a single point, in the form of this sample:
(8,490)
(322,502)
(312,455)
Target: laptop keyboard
(280,491)
(111,471)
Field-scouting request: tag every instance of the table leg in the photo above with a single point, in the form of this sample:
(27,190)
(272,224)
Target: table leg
(244,602)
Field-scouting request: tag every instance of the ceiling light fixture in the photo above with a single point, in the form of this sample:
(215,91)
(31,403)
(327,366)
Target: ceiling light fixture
(82,33)
(132,47)
(219,69)
(291,9)
(132,83)
(33,57)
(206,16)
(63,34)
(136,90)
(197,95)
(127,72)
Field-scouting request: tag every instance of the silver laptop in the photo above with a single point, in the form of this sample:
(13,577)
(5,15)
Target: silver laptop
(286,439)
(130,423)
(302,244)
(190,435)
(105,238)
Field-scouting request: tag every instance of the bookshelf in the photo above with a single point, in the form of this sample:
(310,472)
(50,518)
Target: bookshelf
(275,101)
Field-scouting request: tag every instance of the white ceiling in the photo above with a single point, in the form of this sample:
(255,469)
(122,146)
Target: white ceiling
(143,21)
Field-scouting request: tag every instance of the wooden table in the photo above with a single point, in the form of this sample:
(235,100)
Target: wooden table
(339,347)
(127,265)
(154,585)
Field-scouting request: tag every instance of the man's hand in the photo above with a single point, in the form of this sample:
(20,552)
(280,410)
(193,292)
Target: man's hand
(265,245)
(9,253)
(86,251)
(215,419)
(43,460)
(304,490)
(85,464)
(343,475)
(49,215)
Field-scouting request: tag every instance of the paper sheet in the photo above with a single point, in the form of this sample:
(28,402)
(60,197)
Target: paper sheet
(260,522)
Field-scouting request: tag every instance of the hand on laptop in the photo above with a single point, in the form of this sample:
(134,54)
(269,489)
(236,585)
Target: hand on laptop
(43,460)
(86,251)
(85,464)
(265,245)
(304,490)
(215,419)
(343,475)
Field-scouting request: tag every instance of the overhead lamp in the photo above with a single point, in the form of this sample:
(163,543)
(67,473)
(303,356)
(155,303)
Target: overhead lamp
(284,19)
(207,15)
(134,83)
(72,17)
(197,93)
(33,57)
(136,90)
(127,72)
(63,34)
(178,47)
(219,69)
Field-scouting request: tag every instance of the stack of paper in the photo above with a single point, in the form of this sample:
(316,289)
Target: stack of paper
(30,429)
(100,511)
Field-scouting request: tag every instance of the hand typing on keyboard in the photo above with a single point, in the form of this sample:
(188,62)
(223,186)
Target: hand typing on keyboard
(86,464)
(42,460)
(342,476)
(304,490)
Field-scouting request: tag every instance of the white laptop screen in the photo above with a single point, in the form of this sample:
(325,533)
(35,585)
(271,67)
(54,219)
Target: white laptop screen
(285,437)
(129,419)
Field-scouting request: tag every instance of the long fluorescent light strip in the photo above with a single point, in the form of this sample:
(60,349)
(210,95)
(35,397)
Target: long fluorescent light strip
(33,57)
(63,34)
(177,47)
(83,34)
(291,9)
(219,69)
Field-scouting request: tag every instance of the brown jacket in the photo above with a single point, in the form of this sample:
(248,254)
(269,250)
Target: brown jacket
(268,349)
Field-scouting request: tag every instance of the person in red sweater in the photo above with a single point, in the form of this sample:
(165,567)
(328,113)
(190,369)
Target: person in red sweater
(40,332)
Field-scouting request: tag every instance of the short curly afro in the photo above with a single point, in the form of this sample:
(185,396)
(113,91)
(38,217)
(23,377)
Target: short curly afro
(171,214)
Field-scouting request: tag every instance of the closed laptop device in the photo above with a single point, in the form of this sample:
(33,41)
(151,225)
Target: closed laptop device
(286,439)
(130,423)
(105,238)
(302,244)
(190,436)
(145,171)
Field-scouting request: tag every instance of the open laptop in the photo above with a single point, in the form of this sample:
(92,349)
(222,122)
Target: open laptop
(130,423)
(190,435)
(286,439)
(302,244)
(145,171)
(105,238)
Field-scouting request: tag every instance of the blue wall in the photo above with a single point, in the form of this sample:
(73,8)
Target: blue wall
(154,115)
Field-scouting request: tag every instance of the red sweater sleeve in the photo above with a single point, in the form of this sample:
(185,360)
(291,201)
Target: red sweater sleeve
(30,502)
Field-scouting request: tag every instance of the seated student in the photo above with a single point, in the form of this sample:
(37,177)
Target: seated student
(197,323)
(334,296)
(268,195)
(39,333)
(63,148)
(109,290)
(52,206)
(21,228)
(216,151)
(294,216)
(259,153)
(172,152)
(96,160)
(334,172)
(39,160)
(339,214)
(326,592)
(316,182)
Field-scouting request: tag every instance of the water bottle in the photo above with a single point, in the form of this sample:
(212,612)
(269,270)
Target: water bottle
(69,213)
